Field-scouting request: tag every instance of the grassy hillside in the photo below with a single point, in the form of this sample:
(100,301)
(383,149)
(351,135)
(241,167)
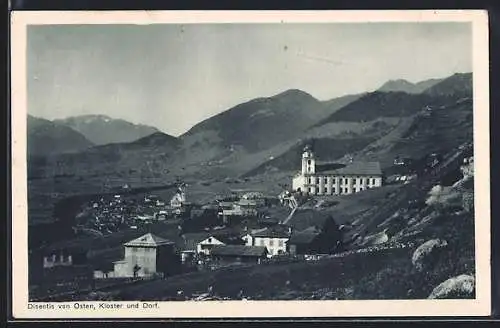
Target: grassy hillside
(441,130)
(458,85)
(384,139)
(260,123)
(383,104)
(331,142)
(141,156)
(325,148)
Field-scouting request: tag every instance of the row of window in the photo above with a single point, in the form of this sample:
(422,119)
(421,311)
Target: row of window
(334,190)
(143,249)
(345,181)
(281,243)
(55,258)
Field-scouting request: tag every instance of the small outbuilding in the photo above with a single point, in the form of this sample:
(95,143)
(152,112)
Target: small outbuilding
(228,254)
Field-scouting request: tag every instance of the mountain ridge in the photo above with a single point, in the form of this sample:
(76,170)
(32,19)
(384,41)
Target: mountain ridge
(46,137)
(103,129)
(457,85)
(248,135)
(402,85)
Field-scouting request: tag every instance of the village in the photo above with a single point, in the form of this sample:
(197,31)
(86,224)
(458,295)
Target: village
(236,229)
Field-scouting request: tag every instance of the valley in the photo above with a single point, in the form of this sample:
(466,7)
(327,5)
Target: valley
(256,147)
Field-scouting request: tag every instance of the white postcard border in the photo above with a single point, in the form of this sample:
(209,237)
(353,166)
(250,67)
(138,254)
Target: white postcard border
(376,308)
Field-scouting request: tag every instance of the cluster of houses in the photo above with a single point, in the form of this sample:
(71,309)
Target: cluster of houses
(249,228)
(110,214)
(106,215)
(308,232)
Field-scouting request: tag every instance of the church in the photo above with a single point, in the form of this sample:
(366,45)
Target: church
(335,179)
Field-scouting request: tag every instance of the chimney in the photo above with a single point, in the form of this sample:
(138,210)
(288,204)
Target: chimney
(290,230)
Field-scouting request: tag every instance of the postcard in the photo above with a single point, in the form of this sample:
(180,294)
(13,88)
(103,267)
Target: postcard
(253,164)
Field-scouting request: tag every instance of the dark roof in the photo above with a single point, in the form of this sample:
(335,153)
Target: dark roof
(249,224)
(239,250)
(305,218)
(192,239)
(272,233)
(354,168)
(77,245)
(324,166)
(304,237)
(69,249)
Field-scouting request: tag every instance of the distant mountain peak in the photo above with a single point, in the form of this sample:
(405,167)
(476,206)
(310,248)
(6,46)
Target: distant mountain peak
(402,81)
(456,84)
(103,129)
(293,93)
(402,85)
(90,116)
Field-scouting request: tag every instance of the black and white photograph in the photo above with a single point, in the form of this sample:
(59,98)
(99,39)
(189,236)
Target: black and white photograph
(310,162)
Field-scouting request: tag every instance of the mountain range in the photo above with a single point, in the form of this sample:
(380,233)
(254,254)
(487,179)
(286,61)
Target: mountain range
(268,133)
(402,85)
(102,129)
(47,137)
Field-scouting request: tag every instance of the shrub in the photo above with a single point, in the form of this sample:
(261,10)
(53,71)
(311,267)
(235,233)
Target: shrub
(462,286)
(426,253)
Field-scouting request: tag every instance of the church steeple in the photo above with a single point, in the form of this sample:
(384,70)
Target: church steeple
(308,161)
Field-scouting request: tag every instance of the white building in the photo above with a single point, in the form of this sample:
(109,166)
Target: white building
(243,207)
(206,245)
(335,179)
(145,256)
(179,198)
(274,241)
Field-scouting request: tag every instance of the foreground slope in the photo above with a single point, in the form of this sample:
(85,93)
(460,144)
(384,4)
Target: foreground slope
(410,216)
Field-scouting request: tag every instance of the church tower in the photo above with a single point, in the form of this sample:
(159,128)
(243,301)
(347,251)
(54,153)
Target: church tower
(308,161)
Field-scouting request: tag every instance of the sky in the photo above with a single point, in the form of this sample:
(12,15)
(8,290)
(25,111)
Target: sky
(174,76)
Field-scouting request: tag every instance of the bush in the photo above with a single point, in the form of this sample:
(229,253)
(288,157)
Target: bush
(462,286)
(425,254)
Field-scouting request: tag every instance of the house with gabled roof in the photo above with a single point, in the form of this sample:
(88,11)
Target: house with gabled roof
(203,242)
(226,254)
(145,256)
(274,239)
